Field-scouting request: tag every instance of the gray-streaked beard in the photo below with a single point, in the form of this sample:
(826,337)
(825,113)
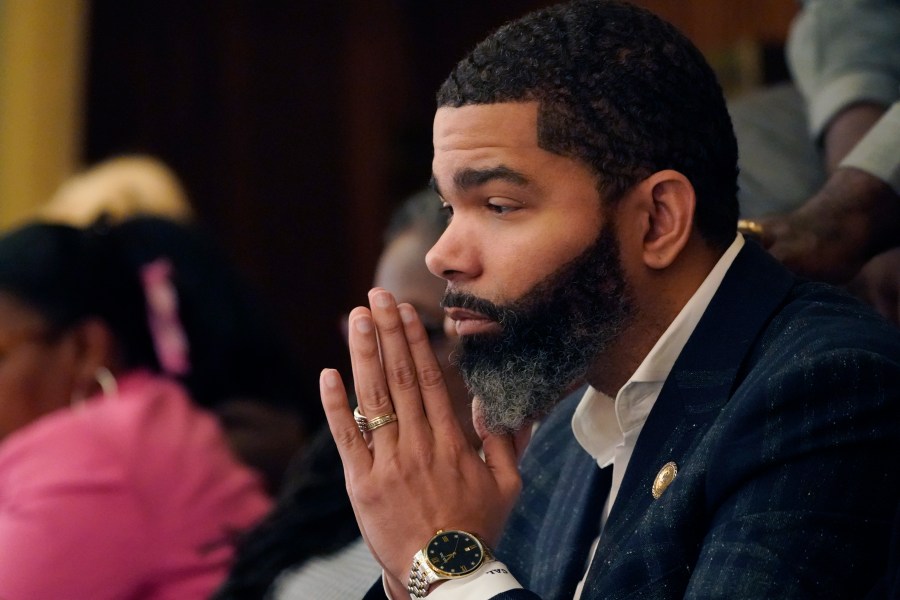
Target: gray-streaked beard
(549,337)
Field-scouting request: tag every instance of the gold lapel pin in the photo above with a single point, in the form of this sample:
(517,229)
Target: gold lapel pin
(665,476)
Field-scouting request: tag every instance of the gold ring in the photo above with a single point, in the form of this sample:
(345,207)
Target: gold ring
(750,227)
(381,421)
(364,424)
(361,421)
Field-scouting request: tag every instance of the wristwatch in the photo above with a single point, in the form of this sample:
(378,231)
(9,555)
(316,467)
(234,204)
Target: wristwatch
(448,555)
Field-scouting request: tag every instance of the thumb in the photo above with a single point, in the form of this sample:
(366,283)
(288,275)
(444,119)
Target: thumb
(501,450)
(521,438)
(501,460)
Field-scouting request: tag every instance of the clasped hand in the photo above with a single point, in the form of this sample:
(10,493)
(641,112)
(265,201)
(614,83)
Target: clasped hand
(411,477)
(853,217)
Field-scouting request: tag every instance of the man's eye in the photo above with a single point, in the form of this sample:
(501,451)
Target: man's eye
(447,210)
(501,209)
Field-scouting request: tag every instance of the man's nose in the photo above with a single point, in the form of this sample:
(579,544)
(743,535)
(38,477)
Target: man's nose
(453,256)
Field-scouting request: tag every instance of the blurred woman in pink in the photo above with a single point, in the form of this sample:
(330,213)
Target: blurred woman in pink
(114,483)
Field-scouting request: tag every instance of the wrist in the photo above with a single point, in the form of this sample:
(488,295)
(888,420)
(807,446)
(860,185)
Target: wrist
(449,554)
(853,217)
(394,588)
(847,128)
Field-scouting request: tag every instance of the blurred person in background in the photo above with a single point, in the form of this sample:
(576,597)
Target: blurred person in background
(118,188)
(820,156)
(260,398)
(114,482)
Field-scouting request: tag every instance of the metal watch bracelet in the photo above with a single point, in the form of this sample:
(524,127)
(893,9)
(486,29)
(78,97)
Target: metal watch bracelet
(420,579)
(421,575)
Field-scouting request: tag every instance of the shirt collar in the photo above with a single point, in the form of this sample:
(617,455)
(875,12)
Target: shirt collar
(599,422)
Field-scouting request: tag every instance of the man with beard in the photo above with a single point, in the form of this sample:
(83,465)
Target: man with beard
(545,340)
(738,436)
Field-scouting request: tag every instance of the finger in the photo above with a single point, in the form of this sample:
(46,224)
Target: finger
(778,235)
(355,313)
(478,418)
(352,447)
(767,236)
(500,457)
(400,369)
(438,409)
(354,450)
(520,438)
(500,451)
(372,392)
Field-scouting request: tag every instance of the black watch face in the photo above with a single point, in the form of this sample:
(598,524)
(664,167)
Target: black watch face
(454,553)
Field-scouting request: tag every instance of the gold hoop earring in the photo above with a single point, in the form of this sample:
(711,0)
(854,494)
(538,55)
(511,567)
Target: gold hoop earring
(107,381)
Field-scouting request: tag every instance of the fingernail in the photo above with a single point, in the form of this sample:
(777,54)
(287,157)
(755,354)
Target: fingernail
(407,313)
(363,324)
(382,299)
(330,378)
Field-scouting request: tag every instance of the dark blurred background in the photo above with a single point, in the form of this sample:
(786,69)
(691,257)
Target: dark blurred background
(297,126)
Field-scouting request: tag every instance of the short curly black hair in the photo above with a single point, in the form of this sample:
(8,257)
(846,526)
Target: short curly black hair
(620,90)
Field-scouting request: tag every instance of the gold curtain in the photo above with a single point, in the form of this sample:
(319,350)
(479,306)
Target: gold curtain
(41,99)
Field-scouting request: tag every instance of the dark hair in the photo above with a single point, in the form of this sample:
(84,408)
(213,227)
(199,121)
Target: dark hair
(620,90)
(69,274)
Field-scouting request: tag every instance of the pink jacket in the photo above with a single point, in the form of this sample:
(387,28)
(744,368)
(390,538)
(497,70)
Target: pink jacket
(133,497)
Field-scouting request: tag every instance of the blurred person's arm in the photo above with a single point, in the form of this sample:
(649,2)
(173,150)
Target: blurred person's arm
(845,59)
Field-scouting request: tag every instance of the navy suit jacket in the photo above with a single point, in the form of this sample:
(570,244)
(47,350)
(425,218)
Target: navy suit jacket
(781,414)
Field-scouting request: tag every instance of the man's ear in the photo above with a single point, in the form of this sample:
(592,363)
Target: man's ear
(669,203)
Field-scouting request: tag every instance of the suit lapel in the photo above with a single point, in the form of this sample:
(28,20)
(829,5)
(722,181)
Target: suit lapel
(557,517)
(700,383)
(571,525)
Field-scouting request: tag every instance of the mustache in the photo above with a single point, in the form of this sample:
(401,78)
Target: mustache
(495,312)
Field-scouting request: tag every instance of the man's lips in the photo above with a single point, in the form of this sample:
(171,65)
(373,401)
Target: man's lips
(469,322)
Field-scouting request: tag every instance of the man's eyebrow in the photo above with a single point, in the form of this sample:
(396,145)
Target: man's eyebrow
(469,178)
